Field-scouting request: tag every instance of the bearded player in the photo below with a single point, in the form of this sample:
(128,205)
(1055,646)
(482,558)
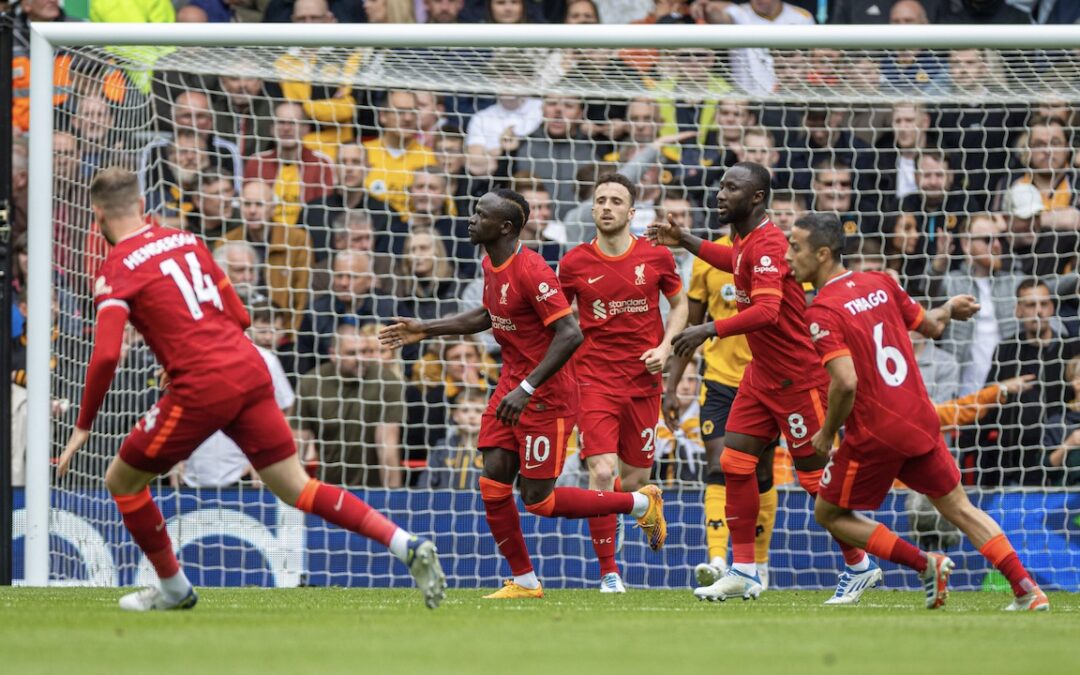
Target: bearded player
(617,280)
(529,418)
(859,324)
(165,282)
(783,387)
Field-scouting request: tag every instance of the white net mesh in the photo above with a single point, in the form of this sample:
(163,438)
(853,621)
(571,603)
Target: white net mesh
(334,185)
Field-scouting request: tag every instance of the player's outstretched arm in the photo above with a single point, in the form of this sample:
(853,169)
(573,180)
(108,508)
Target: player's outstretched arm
(841,400)
(695,315)
(567,339)
(410,331)
(957,308)
(671,233)
(656,357)
(108,339)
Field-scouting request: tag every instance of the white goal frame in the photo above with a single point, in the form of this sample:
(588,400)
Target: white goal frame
(45,38)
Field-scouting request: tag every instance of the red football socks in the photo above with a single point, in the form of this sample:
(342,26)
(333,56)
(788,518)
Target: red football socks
(1001,555)
(602,530)
(884,543)
(505,524)
(743,503)
(346,510)
(570,502)
(144,521)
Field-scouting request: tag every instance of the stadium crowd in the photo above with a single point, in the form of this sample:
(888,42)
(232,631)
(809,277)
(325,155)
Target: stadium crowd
(333,208)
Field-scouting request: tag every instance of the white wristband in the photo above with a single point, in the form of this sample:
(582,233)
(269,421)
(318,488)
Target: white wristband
(528,388)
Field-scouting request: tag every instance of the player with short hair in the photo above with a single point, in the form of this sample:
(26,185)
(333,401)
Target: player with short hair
(859,324)
(783,388)
(617,280)
(166,283)
(530,416)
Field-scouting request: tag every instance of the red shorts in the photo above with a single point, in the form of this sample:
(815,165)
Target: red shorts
(862,484)
(169,432)
(615,425)
(539,439)
(796,413)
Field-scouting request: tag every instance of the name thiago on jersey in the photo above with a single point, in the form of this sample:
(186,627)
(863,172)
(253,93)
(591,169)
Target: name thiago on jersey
(872,300)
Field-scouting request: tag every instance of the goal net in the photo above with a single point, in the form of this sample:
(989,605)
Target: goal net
(334,186)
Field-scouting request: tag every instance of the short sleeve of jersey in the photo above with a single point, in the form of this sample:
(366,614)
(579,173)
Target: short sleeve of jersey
(670,281)
(113,287)
(567,276)
(827,333)
(768,267)
(912,311)
(699,290)
(544,292)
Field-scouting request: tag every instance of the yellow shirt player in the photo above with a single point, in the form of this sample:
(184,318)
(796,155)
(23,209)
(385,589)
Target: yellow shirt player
(712,294)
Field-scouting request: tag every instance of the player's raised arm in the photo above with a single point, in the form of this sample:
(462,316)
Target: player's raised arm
(405,331)
(957,308)
(567,339)
(108,339)
(670,233)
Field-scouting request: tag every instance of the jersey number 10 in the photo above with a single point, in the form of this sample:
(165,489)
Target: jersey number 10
(198,290)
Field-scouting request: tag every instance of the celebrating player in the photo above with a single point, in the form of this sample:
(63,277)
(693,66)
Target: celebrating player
(783,388)
(532,412)
(859,323)
(617,280)
(712,294)
(166,283)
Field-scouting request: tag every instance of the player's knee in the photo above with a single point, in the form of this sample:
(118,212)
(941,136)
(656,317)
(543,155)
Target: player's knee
(545,507)
(535,492)
(825,513)
(735,463)
(602,475)
(121,482)
(493,490)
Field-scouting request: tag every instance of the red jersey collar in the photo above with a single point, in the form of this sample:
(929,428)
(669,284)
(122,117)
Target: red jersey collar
(605,256)
(838,276)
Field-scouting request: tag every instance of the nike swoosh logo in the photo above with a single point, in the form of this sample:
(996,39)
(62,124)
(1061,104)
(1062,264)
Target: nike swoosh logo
(593,280)
(340,500)
(534,466)
(795,446)
(649,456)
(160,526)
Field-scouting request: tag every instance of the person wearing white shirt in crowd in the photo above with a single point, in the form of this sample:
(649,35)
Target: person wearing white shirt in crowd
(219,462)
(511,114)
(753,68)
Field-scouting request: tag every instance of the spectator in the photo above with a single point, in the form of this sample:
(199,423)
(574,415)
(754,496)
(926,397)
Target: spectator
(243,114)
(554,152)
(1011,445)
(1055,11)
(984,276)
(191,114)
(541,232)
(350,414)
(353,231)
(430,205)
(674,203)
(680,452)
(218,462)
(510,114)
(132,11)
(424,286)
(353,299)
(1045,160)
(283,251)
(752,68)
(297,174)
(396,153)
(506,11)
(99,144)
(828,138)
(1035,250)
(466,187)
(240,263)
(939,369)
(870,11)
(214,212)
(785,208)
(349,193)
(170,184)
(911,253)
(759,147)
(898,152)
(192,14)
(389,11)
(284,11)
(581,12)
(832,191)
(456,463)
(934,199)
(981,12)
(269,331)
(20,185)
(912,69)
(443,11)
(1062,435)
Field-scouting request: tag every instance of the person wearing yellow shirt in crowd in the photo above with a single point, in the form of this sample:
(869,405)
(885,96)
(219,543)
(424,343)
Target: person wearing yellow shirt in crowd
(712,291)
(396,153)
(680,452)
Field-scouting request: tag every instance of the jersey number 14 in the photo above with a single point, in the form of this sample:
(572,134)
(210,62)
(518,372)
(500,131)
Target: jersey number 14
(196,291)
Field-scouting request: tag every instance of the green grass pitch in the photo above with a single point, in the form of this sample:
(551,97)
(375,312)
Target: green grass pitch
(329,630)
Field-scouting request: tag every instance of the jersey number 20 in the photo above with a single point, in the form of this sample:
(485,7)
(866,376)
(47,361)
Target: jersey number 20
(198,290)
(890,360)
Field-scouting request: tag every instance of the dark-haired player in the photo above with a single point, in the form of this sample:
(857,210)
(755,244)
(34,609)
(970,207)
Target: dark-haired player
(783,388)
(617,280)
(530,416)
(166,283)
(859,323)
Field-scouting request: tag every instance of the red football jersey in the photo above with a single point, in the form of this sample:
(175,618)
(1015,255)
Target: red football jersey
(523,298)
(783,353)
(619,310)
(170,286)
(866,315)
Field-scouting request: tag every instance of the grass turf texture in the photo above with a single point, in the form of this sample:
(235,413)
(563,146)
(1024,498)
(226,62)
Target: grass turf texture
(330,630)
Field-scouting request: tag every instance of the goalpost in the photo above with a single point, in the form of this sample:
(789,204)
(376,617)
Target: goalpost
(850,77)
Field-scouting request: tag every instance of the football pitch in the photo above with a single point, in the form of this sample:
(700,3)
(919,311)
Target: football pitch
(330,630)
